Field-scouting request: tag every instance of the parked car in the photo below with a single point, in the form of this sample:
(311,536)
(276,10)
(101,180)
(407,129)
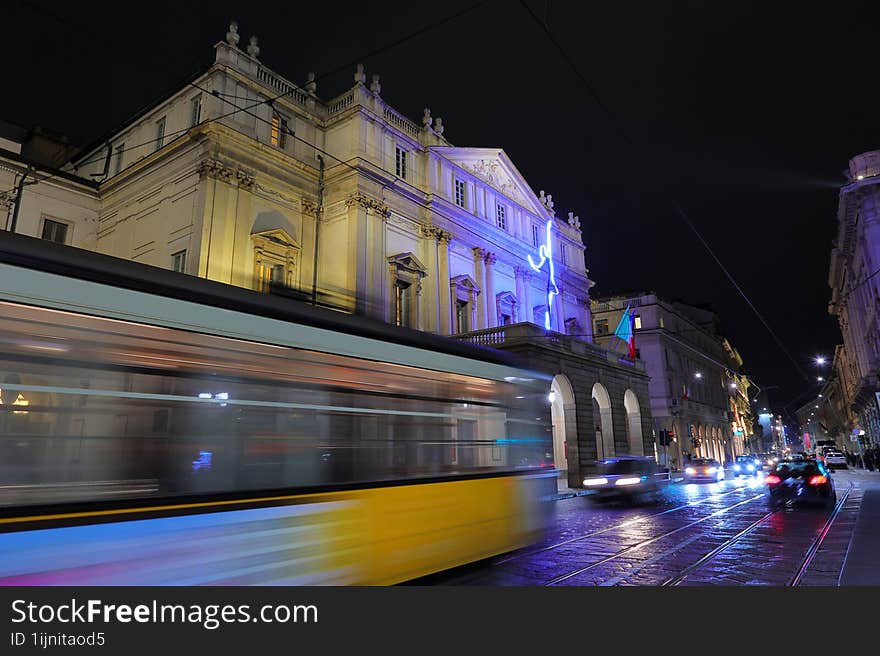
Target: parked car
(628,478)
(703,469)
(804,481)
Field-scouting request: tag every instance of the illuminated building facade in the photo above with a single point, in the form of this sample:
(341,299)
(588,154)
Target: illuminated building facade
(697,388)
(855,288)
(244,177)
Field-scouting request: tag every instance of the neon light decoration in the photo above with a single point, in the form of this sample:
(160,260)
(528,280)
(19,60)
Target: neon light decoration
(546,253)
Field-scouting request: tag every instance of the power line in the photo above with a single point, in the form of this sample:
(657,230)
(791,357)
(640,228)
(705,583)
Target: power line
(625,136)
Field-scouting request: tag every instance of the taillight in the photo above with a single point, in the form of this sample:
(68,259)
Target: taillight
(818,480)
(772,479)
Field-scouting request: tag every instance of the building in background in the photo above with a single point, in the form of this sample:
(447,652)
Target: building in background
(698,390)
(855,290)
(244,177)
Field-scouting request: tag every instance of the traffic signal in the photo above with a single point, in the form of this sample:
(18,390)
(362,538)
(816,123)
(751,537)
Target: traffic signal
(665,437)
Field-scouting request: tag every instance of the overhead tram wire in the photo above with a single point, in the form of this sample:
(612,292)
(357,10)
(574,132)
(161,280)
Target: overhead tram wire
(679,210)
(422,30)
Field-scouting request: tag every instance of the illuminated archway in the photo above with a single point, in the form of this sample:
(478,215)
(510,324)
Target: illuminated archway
(602,419)
(633,423)
(562,414)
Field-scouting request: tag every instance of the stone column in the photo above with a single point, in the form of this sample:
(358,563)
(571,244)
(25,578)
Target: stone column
(430,302)
(518,314)
(480,278)
(445,297)
(559,311)
(525,313)
(489,292)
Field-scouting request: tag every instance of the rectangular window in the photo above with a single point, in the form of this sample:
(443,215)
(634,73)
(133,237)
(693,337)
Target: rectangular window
(54,231)
(195,110)
(637,322)
(535,235)
(119,150)
(402,309)
(278,131)
(505,319)
(160,133)
(400,162)
(462,309)
(459,193)
(562,253)
(601,326)
(501,216)
(178,261)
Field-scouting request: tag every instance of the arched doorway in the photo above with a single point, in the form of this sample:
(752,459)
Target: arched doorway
(562,414)
(633,423)
(602,419)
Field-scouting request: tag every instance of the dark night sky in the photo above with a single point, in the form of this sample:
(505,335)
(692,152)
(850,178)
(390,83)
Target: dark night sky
(746,112)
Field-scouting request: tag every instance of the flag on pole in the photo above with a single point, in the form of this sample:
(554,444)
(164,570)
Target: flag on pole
(624,332)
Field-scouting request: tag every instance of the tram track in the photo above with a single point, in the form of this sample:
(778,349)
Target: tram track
(643,543)
(607,529)
(815,545)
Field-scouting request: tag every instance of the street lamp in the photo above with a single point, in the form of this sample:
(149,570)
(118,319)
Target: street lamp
(820,360)
(819,378)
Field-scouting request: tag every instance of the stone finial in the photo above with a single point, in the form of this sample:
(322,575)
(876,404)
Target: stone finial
(438,125)
(311,85)
(375,87)
(360,77)
(232,35)
(253,49)
(426,118)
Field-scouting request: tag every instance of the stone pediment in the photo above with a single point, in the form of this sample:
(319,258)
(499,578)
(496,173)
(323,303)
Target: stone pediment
(407,261)
(494,167)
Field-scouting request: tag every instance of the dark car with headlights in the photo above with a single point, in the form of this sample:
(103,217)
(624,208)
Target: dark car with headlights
(807,481)
(703,469)
(625,477)
(747,465)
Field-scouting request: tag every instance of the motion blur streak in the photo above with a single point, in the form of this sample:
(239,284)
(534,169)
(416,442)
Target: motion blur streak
(374,536)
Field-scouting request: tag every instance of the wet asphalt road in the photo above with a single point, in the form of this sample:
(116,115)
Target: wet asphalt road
(697,534)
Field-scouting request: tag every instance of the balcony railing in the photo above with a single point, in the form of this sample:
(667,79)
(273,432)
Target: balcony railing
(519,333)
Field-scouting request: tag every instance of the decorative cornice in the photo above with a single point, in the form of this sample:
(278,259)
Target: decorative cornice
(309,207)
(214,168)
(246,179)
(368,203)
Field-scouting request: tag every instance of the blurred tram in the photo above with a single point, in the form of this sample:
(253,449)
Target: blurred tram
(162,429)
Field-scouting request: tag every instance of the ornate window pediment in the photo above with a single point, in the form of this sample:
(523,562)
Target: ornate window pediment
(276,259)
(464,283)
(407,262)
(506,307)
(405,276)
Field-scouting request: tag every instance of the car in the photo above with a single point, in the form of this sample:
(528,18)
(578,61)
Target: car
(807,481)
(627,478)
(703,469)
(746,465)
(834,460)
(768,462)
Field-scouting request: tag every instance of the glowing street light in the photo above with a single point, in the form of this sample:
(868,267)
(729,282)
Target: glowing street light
(820,360)
(819,378)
